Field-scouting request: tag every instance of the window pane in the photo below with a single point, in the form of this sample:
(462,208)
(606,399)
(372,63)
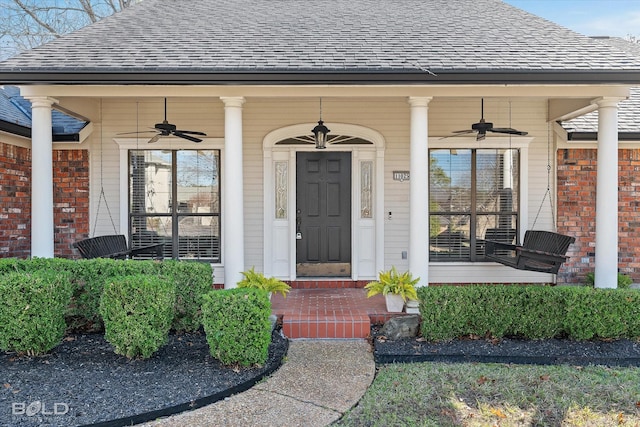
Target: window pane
(452,241)
(496,173)
(197,176)
(450,180)
(150,186)
(149,230)
(199,237)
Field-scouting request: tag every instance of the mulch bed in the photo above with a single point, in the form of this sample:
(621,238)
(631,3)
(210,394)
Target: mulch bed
(506,350)
(83,382)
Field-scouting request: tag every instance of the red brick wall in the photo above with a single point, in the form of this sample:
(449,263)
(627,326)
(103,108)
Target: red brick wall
(70,199)
(70,194)
(15,201)
(576,211)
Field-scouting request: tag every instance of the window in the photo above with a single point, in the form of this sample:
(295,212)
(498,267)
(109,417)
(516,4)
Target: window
(473,195)
(174,197)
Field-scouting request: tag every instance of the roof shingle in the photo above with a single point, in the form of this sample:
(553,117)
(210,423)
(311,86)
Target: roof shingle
(324,36)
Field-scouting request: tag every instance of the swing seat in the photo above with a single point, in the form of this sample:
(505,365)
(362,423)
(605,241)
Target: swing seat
(115,246)
(542,251)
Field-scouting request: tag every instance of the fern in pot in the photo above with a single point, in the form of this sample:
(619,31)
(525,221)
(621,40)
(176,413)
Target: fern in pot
(256,280)
(396,287)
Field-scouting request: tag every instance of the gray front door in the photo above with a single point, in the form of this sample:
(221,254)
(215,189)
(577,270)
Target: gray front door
(323,214)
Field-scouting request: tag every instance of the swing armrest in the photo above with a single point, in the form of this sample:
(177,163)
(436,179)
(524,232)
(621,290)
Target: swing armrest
(157,250)
(490,247)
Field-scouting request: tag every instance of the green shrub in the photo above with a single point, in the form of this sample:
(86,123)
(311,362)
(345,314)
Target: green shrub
(137,311)
(600,313)
(88,276)
(32,310)
(624,281)
(193,280)
(541,312)
(532,312)
(444,311)
(237,325)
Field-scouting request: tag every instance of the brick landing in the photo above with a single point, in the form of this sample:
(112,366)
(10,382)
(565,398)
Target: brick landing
(329,313)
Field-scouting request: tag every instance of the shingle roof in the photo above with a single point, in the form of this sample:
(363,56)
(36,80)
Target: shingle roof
(323,36)
(628,110)
(15,117)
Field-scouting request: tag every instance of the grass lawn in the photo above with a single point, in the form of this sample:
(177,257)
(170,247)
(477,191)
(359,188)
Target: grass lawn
(441,394)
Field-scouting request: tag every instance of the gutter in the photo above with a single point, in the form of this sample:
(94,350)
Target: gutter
(25,132)
(122,77)
(593,136)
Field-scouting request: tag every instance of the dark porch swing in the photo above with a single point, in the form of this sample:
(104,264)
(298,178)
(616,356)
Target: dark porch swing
(541,250)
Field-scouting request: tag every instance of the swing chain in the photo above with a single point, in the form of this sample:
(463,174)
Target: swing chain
(548,192)
(102,195)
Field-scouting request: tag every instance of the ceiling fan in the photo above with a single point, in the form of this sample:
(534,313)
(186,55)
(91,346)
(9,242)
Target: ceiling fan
(166,129)
(482,127)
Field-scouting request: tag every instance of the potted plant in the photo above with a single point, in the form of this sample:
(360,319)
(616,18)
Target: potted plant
(259,281)
(397,288)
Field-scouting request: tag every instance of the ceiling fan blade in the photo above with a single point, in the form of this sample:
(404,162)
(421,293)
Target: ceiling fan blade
(192,132)
(135,133)
(510,131)
(154,139)
(481,136)
(458,133)
(187,137)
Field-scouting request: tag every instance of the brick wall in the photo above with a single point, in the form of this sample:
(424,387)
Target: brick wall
(70,193)
(576,211)
(15,201)
(70,199)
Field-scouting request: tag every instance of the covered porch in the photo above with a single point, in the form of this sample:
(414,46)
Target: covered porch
(388,222)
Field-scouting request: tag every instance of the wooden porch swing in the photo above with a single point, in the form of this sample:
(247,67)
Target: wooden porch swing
(542,251)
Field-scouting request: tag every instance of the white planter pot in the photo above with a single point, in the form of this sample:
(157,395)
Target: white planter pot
(395,303)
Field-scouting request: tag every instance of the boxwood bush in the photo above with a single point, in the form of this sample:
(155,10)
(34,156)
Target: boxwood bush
(32,310)
(532,312)
(192,279)
(236,322)
(137,311)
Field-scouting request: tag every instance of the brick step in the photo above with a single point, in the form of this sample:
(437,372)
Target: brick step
(326,326)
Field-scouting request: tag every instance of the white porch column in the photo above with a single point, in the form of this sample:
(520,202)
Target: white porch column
(41,178)
(606,271)
(233,214)
(419,190)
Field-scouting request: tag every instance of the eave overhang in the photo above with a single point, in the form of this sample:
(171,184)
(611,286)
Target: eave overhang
(195,77)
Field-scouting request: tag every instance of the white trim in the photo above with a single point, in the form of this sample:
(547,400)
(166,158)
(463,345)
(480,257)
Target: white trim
(273,153)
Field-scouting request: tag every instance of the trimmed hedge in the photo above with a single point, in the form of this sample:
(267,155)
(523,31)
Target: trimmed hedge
(532,312)
(137,312)
(32,310)
(236,322)
(192,279)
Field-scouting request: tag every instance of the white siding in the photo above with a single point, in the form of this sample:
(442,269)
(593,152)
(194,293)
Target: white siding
(388,116)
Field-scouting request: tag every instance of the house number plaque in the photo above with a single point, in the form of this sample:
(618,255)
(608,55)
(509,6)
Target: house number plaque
(401,176)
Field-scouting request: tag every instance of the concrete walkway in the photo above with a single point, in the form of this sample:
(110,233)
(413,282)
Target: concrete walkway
(318,382)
